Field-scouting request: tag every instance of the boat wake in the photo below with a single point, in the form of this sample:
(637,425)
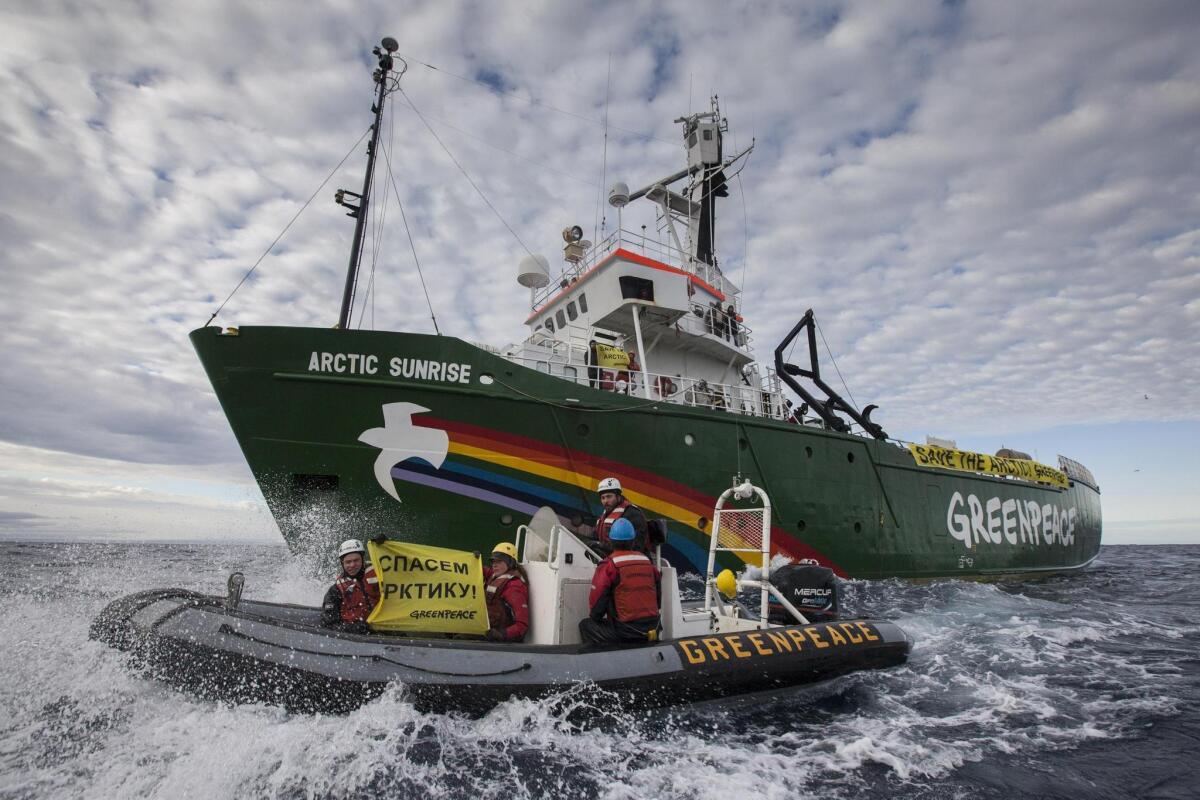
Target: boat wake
(1051,688)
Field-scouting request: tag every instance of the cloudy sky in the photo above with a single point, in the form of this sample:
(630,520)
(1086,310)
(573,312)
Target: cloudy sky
(993,208)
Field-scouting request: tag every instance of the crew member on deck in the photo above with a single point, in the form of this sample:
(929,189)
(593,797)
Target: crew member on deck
(507,596)
(633,375)
(617,507)
(626,594)
(354,594)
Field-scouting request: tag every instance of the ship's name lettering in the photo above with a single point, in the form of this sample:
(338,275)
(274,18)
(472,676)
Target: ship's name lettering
(777,641)
(366,364)
(973,521)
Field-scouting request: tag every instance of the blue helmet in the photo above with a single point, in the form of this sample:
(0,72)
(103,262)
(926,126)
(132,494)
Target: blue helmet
(622,531)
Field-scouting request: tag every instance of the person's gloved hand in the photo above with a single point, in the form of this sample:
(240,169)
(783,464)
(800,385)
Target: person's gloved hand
(379,538)
(494,635)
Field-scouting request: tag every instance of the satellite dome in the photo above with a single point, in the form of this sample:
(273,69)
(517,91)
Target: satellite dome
(618,195)
(533,272)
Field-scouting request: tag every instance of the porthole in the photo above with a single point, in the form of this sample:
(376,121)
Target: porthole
(850,457)
(702,523)
(858,527)
(582,429)
(486,379)
(808,451)
(688,439)
(743,444)
(506,519)
(801,525)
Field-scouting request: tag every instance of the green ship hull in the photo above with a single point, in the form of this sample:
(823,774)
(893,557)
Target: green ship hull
(437,441)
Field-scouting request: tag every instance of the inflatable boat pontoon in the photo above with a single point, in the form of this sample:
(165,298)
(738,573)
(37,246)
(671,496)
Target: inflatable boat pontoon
(249,650)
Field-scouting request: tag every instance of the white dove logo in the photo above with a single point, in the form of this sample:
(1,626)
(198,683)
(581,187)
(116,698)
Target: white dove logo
(399,440)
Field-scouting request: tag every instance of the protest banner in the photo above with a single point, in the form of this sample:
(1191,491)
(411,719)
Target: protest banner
(964,461)
(428,589)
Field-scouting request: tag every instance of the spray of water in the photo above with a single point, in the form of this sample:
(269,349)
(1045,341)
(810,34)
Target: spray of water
(997,673)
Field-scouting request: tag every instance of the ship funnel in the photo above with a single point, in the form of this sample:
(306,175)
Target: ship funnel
(534,272)
(618,195)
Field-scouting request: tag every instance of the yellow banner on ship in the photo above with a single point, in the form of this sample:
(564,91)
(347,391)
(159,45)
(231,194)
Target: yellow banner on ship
(928,455)
(611,357)
(429,589)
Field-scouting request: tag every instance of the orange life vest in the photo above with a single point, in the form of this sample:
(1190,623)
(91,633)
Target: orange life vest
(499,615)
(636,593)
(606,520)
(359,594)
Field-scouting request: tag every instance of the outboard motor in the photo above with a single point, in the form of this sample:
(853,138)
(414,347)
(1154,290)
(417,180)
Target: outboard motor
(811,588)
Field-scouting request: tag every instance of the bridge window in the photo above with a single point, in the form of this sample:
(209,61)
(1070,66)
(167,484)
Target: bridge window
(583,303)
(571,312)
(560,318)
(637,288)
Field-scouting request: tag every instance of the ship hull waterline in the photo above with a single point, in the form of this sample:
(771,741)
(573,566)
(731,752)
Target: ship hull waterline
(437,441)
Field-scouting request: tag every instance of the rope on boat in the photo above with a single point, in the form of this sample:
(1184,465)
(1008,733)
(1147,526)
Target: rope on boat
(493,88)
(285,227)
(463,170)
(412,246)
(226,629)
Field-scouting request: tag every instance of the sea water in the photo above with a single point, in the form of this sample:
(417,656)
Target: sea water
(1072,687)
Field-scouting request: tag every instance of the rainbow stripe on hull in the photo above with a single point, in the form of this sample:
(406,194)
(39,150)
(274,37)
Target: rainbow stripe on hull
(523,474)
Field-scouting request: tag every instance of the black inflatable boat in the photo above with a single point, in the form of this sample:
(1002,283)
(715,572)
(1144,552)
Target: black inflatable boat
(248,650)
(278,653)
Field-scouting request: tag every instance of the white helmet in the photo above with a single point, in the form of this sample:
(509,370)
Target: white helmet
(609,485)
(351,546)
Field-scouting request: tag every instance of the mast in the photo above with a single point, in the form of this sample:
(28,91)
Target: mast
(703,135)
(359,212)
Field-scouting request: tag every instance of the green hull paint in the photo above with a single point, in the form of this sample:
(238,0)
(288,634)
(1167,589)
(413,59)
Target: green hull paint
(858,504)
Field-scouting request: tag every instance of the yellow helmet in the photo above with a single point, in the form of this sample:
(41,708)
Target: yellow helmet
(506,548)
(727,584)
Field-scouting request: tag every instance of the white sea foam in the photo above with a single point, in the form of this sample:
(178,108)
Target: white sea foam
(996,673)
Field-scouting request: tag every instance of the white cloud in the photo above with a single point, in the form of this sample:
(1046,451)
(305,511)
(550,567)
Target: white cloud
(991,207)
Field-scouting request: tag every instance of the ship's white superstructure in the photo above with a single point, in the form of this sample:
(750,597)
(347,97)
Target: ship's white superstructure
(664,305)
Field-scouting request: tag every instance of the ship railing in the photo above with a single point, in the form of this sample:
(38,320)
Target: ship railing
(710,320)
(765,400)
(639,243)
(572,349)
(738,398)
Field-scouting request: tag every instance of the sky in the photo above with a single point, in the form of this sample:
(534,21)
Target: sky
(993,209)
